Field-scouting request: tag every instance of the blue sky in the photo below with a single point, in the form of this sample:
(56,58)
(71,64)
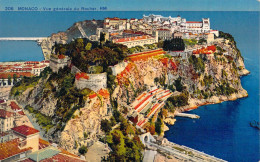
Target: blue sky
(143,5)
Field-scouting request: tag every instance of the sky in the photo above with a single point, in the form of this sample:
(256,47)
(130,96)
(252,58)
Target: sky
(139,5)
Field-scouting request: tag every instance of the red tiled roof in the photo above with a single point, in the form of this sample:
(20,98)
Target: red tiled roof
(25,130)
(45,61)
(61,56)
(18,74)
(67,153)
(5,114)
(14,106)
(62,158)
(21,113)
(92,95)
(11,148)
(115,18)
(22,69)
(81,75)
(43,143)
(32,62)
(104,93)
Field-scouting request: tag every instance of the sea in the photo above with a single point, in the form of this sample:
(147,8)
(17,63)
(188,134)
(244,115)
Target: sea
(223,129)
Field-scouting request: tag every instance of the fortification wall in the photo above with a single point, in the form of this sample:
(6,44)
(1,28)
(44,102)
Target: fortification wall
(94,82)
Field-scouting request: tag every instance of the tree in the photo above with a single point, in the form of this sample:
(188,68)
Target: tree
(14,79)
(88,46)
(80,43)
(178,85)
(83,150)
(158,125)
(106,126)
(113,121)
(102,38)
(123,126)
(9,80)
(156,80)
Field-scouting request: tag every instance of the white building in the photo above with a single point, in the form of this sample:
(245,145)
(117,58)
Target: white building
(165,34)
(136,40)
(58,62)
(6,120)
(185,26)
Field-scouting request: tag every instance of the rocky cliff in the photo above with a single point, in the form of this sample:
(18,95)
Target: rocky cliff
(69,116)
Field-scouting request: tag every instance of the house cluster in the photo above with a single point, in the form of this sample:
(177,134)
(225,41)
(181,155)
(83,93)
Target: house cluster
(148,30)
(21,142)
(11,71)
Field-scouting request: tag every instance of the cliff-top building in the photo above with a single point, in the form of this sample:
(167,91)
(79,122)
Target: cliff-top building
(58,62)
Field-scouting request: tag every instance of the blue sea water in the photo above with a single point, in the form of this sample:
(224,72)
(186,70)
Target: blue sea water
(223,129)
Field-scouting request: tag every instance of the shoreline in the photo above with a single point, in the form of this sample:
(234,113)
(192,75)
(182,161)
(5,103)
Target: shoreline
(195,103)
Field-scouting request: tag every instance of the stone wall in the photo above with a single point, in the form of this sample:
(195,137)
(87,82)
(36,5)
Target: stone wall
(118,68)
(94,82)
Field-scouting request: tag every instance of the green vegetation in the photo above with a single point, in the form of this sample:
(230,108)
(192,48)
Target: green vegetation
(224,73)
(9,79)
(190,42)
(178,84)
(24,84)
(123,140)
(14,79)
(201,41)
(124,148)
(85,135)
(160,80)
(135,49)
(197,63)
(208,80)
(232,41)
(175,44)
(83,150)
(84,53)
(111,84)
(178,101)
(106,125)
(150,46)
(158,126)
(95,69)
(225,89)
(44,121)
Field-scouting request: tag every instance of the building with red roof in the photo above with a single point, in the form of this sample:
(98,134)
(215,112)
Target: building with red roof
(58,62)
(6,120)
(11,151)
(29,135)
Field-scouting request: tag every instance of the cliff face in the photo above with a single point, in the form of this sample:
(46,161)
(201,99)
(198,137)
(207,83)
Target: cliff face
(84,128)
(207,78)
(139,77)
(71,117)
